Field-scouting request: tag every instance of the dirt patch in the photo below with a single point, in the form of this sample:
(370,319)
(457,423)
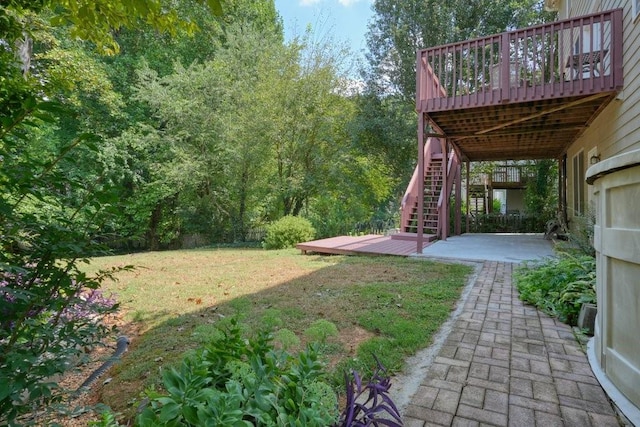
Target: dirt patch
(351,338)
(74,378)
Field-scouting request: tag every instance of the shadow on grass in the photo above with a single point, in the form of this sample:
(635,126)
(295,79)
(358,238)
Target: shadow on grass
(387,306)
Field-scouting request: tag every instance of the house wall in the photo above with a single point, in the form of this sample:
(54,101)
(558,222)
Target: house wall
(616,130)
(614,135)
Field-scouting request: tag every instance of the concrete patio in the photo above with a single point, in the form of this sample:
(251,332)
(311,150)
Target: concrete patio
(502,247)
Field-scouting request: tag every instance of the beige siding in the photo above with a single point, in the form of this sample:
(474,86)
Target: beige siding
(617,129)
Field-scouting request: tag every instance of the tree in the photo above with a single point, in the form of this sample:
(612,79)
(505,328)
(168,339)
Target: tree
(309,118)
(157,206)
(541,196)
(49,216)
(259,131)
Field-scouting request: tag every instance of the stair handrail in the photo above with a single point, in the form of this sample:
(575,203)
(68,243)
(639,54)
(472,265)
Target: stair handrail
(411,195)
(452,164)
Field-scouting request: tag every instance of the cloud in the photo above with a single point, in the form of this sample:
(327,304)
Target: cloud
(309,2)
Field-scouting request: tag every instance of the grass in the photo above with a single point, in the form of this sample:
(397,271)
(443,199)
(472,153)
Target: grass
(174,302)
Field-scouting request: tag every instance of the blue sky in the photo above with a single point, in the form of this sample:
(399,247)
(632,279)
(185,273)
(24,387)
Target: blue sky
(344,20)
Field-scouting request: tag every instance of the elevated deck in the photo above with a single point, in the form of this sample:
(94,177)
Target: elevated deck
(523,94)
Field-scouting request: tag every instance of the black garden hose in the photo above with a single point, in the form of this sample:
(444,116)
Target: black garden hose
(121,346)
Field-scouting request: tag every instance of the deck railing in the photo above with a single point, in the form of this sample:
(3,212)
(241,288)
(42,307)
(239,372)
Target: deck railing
(410,197)
(512,174)
(562,58)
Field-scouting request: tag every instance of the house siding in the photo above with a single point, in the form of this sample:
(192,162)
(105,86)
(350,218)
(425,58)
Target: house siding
(616,130)
(614,352)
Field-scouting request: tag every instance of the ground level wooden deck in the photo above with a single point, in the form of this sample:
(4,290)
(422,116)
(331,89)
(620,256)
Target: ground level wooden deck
(370,245)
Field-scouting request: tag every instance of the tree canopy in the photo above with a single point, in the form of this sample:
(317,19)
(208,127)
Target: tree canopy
(145,124)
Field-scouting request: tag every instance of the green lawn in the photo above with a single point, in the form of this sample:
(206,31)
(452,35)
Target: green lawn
(175,301)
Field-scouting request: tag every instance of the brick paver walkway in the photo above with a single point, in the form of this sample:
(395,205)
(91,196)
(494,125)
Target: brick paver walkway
(507,364)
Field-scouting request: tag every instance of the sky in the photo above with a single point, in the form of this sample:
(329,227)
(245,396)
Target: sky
(345,20)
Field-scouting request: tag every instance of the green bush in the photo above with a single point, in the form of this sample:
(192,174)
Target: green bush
(238,382)
(287,232)
(558,286)
(320,330)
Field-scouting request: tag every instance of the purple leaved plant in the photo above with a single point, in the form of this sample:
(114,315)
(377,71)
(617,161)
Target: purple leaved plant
(369,404)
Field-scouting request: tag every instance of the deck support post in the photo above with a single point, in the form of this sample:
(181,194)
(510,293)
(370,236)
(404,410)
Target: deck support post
(420,212)
(443,214)
(458,224)
(468,163)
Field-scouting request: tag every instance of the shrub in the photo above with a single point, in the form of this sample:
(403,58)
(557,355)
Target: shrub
(558,286)
(287,232)
(320,330)
(47,321)
(238,382)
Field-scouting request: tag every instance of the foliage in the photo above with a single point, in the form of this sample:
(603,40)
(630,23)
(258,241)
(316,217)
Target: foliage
(246,382)
(50,307)
(254,133)
(95,20)
(371,404)
(541,195)
(286,338)
(496,222)
(287,232)
(237,382)
(496,205)
(581,233)
(560,285)
(107,419)
(320,330)
(55,199)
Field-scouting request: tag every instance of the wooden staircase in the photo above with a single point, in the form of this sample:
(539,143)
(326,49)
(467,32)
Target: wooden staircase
(432,190)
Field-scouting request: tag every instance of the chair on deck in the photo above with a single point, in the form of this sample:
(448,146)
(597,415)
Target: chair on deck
(586,62)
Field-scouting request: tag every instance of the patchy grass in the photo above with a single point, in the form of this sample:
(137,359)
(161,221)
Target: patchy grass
(175,301)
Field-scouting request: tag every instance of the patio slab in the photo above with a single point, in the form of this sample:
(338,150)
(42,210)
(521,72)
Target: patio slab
(503,247)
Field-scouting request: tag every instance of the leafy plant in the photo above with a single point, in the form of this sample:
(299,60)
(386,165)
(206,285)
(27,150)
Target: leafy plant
(581,233)
(287,232)
(320,330)
(107,419)
(558,285)
(286,338)
(50,310)
(237,382)
(369,405)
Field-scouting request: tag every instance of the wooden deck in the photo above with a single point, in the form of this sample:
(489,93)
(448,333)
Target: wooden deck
(522,94)
(367,245)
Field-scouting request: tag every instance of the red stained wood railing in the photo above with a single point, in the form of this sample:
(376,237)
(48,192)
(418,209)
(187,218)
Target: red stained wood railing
(511,174)
(564,58)
(413,189)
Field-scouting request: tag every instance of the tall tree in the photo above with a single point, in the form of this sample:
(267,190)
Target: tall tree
(255,130)
(309,113)
(50,217)
(158,206)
